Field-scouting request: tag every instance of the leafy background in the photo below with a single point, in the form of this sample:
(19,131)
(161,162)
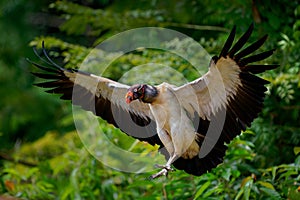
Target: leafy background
(41,154)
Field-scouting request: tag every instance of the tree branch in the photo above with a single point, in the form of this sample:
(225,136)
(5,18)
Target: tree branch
(6,157)
(196,27)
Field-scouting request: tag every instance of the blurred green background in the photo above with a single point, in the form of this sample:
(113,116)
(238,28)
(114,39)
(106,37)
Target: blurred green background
(41,154)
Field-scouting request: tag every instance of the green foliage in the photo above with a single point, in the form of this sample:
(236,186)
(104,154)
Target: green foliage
(23,111)
(263,163)
(70,172)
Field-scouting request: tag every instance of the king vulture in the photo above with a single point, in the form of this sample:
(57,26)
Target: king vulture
(192,122)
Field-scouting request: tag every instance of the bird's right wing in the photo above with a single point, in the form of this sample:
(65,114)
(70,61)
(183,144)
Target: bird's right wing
(103,97)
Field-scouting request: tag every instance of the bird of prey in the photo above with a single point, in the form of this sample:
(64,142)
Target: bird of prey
(183,121)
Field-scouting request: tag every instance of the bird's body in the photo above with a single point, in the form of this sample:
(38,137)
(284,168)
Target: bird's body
(192,122)
(176,137)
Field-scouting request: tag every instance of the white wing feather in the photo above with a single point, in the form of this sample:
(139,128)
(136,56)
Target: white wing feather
(207,94)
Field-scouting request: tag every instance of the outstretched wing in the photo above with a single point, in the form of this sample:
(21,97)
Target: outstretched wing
(102,96)
(228,97)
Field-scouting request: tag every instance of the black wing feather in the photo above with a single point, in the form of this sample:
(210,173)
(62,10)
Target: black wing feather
(228,43)
(256,69)
(257,57)
(241,42)
(250,49)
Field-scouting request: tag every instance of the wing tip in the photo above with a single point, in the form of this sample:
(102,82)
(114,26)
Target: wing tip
(228,42)
(256,57)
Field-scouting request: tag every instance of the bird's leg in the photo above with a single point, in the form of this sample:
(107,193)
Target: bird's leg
(166,140)
(168,164)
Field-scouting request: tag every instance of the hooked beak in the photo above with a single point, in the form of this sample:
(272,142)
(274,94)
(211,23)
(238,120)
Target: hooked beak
(129,97)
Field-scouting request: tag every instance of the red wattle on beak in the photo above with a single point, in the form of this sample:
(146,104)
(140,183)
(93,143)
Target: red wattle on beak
(129,97)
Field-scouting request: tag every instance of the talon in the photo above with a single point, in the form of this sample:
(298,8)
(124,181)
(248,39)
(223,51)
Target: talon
(163,172)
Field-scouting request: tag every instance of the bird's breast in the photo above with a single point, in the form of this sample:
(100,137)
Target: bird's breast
(161,115)
(166,108)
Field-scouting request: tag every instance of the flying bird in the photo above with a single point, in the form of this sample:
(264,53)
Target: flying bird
(190,123)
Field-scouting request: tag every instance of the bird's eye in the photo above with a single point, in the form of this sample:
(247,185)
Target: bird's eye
(135,90)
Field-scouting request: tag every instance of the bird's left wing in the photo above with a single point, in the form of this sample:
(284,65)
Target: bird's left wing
(103,97)
(229,96)
(230,82)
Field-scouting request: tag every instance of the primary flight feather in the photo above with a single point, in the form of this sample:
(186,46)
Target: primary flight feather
(190,123)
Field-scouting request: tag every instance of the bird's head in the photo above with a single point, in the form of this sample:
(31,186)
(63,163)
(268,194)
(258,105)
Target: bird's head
(142,92)
(135,92)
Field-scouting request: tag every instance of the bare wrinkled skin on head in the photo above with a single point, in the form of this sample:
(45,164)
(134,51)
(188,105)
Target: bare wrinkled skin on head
(142,92)
(135,92)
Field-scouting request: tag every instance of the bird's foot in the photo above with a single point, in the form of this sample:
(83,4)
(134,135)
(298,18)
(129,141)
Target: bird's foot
(163,172)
